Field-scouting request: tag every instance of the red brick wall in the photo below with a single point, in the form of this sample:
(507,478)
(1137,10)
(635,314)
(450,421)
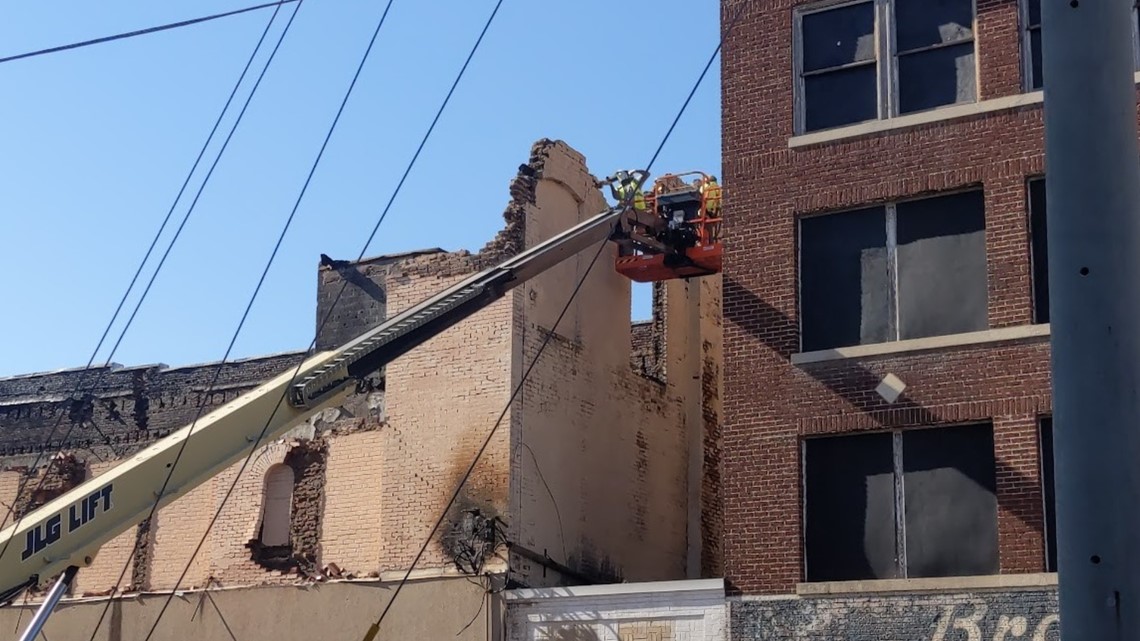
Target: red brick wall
(770,404)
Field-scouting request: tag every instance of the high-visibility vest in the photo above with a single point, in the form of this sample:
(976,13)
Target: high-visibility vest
(710,191)
(638,197)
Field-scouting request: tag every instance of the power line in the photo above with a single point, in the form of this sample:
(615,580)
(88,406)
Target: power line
(375,629)
(142,32)
(486,442)
(217,159)
(138,272)
(265,271)
(332,307)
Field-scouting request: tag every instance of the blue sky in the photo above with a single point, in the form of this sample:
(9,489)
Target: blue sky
(98,140)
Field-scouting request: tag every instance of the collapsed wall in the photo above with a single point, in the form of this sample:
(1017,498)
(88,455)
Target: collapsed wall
(607,457)
(592,465)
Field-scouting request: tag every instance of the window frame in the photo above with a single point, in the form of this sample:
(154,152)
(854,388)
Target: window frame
(1027,44)
(886,49)
(891,221)
(1034,300)
(898,473)
(267,509)
(1047,509)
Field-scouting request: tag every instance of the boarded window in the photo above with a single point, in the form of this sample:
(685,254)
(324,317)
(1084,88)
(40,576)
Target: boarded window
(951,505)
(840,70)
(894,272)
(944,478)
(935,50)
(1038,238)
(1032,40)
(942,265)
(844,279)
(1049,494)
(277,506)
(850,529)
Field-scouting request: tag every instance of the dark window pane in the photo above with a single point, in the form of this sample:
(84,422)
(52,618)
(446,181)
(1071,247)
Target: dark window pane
(1050,495)
(949,502)
(922,23)
(843,279)
(1039,240)
(839,36)
(937,77)
(1034,13)
(942,265)
(850,508)
(1036,72)
(840,97)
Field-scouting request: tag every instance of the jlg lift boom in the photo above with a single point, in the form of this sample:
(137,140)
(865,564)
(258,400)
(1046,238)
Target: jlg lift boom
(671,238)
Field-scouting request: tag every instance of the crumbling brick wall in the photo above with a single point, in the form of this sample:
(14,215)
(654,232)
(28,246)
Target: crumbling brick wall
(600,472)
(372,475)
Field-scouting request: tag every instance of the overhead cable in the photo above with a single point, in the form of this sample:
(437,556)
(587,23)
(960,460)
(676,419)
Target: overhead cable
(143,32)
(74,396)
(370,635)
(332,307)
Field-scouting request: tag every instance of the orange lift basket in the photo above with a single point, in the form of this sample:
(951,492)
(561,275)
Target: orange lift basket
(678,233)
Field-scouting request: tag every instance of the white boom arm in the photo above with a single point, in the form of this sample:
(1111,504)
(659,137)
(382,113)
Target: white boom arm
(68,531)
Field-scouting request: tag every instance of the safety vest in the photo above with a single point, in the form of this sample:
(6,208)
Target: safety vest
(638,197)
(710,191)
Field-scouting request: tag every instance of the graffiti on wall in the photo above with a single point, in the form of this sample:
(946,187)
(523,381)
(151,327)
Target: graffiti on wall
(1014,615)
(967,623)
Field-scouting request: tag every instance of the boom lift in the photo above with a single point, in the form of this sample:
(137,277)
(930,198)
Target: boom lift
(673,237)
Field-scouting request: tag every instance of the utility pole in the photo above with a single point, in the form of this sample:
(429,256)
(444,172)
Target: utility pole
(1093,192)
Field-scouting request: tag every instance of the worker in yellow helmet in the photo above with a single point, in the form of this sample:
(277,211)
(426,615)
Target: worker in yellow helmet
(625,188)
(710,193)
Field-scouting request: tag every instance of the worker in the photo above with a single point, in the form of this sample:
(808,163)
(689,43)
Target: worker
(625,188)
(710,193)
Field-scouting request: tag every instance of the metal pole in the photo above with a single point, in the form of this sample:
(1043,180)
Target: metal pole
(1093,192)
(45,610)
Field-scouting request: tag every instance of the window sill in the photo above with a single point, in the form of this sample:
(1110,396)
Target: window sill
(941,114)
(959,583)
(922,344)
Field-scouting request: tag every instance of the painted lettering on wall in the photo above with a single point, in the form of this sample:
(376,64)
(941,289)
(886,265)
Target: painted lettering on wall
(77,515)
(955,623)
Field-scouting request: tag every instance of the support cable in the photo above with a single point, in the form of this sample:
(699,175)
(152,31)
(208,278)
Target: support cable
(328,315)
(142,32)
(201,188)
(237,332)
(375,629)
(130,287)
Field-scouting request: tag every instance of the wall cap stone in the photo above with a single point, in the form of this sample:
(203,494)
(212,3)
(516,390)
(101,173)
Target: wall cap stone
(1002,334)
(946,584)
(709,587)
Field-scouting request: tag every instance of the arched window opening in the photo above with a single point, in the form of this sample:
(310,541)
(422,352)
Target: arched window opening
(277,506)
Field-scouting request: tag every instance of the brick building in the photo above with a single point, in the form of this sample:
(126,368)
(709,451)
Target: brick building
(886,454)
(596,473)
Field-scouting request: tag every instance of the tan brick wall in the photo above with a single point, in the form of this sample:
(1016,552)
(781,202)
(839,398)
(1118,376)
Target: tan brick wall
(109,563)
(9,485)
(443,399)
(353,526)
(178,528)
(610,444)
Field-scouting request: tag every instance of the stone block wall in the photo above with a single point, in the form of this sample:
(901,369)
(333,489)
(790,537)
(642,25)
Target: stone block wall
(973,615)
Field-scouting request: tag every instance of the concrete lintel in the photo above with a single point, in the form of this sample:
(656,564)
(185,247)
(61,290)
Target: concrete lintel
(946,584)
(948,341)
(941,114)
(713,587)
